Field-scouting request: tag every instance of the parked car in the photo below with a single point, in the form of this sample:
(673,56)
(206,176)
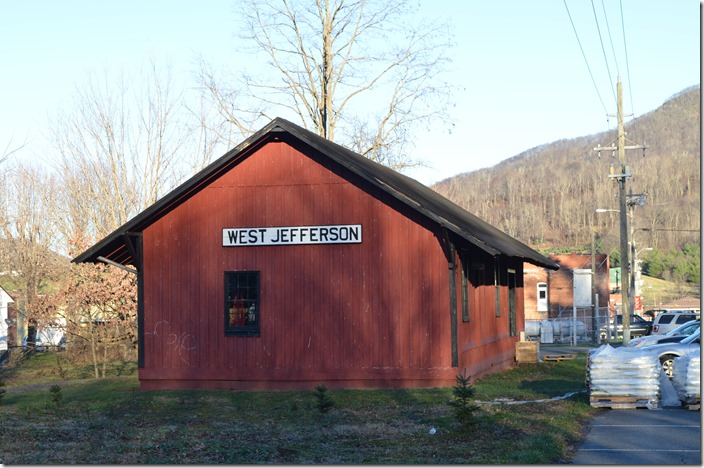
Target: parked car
(639,327)
(667,352)
(672,319)
(673,336)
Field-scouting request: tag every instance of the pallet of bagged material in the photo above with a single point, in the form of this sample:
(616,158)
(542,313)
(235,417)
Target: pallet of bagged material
(559,357)
(621,402)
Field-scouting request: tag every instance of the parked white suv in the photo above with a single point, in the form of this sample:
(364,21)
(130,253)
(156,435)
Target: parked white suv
(672,319)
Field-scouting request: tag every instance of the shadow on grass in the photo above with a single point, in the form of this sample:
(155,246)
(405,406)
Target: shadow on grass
(549,388)
(220,426)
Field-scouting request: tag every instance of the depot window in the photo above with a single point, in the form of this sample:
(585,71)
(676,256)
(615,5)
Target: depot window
(242,303)
(512,288)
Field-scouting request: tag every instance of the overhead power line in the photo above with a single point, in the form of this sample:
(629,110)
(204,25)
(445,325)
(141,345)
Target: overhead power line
(625,49)
(603,50)
(634,127)
(585,57)
(611,42)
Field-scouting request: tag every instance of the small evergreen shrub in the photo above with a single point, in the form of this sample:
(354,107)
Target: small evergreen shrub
(324,402)
(56,396)
(462,392)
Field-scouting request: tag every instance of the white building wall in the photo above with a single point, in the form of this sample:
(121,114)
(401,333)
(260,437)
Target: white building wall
(5,299)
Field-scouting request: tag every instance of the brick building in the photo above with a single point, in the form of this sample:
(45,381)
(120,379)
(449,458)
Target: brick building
(550,292)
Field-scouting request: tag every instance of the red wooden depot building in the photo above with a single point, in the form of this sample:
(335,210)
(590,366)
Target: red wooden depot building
(292,261)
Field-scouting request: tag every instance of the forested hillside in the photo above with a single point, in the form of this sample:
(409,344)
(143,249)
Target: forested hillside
(547,196)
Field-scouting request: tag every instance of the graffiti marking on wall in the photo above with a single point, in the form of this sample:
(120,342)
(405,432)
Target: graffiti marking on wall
(181,343)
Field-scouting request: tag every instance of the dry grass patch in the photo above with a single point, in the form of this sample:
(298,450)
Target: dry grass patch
(108,421)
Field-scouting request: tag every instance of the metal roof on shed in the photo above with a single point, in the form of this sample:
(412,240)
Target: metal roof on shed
(116,246)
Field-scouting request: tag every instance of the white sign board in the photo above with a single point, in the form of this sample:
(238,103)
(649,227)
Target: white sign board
(582,287)
(292,235)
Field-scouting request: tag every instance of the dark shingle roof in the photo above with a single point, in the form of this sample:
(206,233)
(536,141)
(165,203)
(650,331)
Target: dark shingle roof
(429,203)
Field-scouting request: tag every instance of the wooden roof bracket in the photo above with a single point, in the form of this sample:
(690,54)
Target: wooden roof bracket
(449,249)
(118,265)
(133,242)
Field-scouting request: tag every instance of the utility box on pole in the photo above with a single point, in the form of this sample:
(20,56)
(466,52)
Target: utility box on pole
(621,176)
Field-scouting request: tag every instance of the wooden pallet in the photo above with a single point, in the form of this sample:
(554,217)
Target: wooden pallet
(693,404)
(559,357)
(621,402)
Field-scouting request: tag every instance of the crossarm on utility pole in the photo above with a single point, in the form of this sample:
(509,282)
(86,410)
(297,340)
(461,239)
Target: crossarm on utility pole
(621,177)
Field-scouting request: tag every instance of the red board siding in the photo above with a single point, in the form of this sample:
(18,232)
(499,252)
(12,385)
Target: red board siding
(352,314)
(367,315)
(485,344)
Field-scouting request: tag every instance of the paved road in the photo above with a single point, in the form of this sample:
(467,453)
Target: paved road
(670,436)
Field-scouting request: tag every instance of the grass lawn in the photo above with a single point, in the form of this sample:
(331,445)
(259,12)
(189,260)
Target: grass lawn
(110,421)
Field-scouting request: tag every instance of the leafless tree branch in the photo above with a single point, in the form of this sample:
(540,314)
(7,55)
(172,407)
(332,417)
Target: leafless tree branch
(355,65)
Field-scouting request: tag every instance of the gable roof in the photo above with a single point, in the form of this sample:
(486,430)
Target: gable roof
(688,302)
(5,296)
(117,247)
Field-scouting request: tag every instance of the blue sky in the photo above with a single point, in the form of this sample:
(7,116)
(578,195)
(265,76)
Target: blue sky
(522,78)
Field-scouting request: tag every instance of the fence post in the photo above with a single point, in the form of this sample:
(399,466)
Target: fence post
(574,324)
(597,332)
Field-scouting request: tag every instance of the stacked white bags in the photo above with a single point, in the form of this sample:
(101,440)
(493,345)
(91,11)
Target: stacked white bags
(623,375)
(686,376)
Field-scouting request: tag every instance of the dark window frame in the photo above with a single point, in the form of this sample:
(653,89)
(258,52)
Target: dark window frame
(542,289)
(512,286)
(242,303)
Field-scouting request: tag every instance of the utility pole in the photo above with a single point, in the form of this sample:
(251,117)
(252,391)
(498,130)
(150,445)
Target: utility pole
(624,217)
(633,200)
(595,305)
(623,210)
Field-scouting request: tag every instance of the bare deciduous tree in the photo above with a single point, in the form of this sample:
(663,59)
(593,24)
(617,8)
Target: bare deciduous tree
(355,68)
(9,150)
(120,150)
(26,237)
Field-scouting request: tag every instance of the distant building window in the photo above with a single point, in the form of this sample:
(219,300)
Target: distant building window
(542,297)
(242,303)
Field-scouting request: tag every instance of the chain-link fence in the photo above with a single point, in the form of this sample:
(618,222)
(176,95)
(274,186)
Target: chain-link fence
(578,325)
